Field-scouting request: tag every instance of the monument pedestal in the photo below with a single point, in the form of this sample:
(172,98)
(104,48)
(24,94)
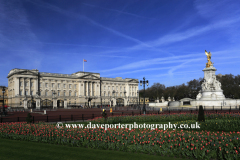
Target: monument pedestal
(211,87)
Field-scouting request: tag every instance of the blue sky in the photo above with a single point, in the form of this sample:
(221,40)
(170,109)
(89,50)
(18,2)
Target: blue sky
(162,40)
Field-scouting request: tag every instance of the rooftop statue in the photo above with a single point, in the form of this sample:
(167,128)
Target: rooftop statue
(209,63)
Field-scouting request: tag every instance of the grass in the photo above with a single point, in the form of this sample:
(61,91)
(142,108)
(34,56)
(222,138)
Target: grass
(22,150)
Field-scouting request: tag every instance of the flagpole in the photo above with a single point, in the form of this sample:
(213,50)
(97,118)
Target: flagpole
(83,65)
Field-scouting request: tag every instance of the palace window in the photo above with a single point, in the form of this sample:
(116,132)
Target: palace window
(26,84)
(46,93)
(58,85)
(121,94)
(64,93)
(70,93)
(46,85)
(120,88)
(108,87)
(40,84)
(64,85)
(52,85)
(26,93)
(75,86)
(31,93)
(20,83)
(70,86)
(112,88)
(58,93)
(31,84)
(75,94)
(20,92)
(117,88)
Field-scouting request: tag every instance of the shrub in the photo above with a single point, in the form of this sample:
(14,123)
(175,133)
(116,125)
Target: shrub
(29,118)
(201,117)
(104,114)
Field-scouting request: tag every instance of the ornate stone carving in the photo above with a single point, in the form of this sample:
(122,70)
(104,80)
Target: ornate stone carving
(211,84)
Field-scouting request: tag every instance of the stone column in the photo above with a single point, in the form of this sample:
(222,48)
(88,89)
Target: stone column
(89,89)
(25,103)
(97,90)
(16,86)
(54,103)
(23,86)
(125,101)
(36,86)
(89,103)
(92,88)
(38,103)
(30,86)
(65,103)
(86,88)
(79,89)
(114,102)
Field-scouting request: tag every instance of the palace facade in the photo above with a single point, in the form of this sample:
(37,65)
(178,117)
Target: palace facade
(84,88)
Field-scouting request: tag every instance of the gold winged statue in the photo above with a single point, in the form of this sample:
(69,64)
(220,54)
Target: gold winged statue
(209,63)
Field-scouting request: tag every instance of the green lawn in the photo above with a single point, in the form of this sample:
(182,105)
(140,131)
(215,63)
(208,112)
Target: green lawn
(22,150)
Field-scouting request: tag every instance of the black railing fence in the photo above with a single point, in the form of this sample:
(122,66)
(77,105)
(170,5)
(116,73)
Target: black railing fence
(129,107)
(116,111)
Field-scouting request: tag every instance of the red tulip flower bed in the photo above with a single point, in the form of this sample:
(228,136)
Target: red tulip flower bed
(192,144)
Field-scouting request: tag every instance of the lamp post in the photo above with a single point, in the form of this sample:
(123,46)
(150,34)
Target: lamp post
(144,82)
(3,91)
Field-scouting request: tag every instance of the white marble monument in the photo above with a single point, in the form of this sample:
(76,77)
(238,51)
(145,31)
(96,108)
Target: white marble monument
(210,94)
(211,87)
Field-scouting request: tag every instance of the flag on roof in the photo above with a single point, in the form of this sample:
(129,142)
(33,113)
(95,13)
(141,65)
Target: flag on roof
(84,60)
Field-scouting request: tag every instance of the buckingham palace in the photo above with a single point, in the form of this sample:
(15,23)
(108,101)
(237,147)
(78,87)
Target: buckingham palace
(31,88)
